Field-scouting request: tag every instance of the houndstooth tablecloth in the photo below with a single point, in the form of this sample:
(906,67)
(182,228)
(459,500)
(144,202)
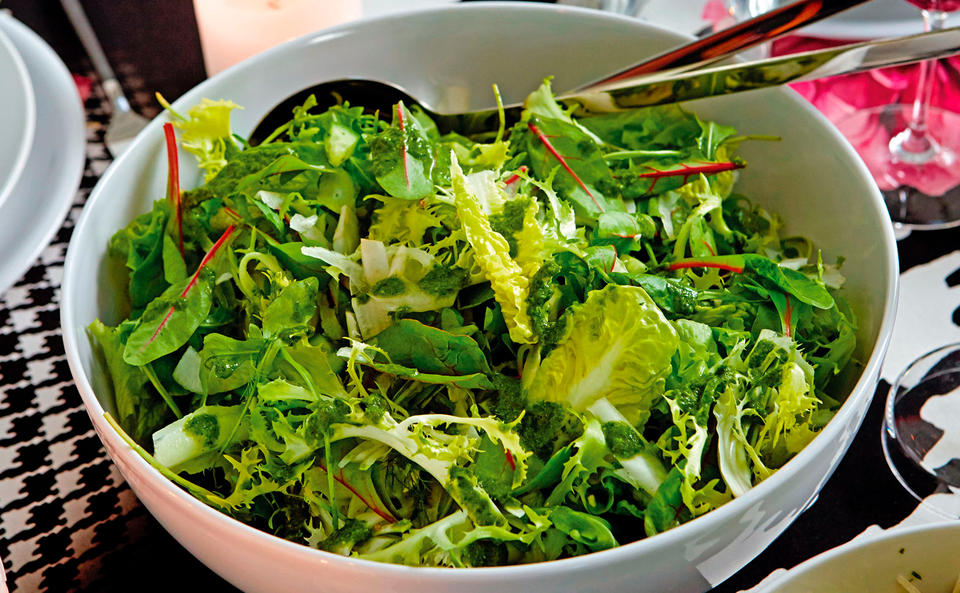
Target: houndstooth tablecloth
(63,504)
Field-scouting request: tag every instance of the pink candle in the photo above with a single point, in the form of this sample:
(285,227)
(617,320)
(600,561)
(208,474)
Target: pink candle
(233,30)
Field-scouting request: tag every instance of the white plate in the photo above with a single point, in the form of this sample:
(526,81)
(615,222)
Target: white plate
(17,116)
(43,195)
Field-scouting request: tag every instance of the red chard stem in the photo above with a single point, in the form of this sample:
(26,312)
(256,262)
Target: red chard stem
(680,265)
(380,512)
(516,176)
(173,180)
(688,171)
(206,259)
(787,317)
(563,162)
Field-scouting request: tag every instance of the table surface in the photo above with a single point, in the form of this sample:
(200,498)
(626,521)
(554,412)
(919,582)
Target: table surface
(78,527)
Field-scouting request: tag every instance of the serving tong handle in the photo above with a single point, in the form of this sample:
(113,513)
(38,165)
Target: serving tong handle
(723,44)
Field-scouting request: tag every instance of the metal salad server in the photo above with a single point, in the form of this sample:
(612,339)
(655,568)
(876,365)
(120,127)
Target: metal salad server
(700,53)
(124,123)
(669,86)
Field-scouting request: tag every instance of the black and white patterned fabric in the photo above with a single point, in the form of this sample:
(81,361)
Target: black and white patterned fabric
(63,505)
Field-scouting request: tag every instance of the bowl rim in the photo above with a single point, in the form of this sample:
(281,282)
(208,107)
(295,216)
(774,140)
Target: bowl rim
(858,543)
(864,386)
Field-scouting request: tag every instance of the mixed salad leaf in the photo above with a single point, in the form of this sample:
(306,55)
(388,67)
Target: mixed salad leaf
(384,342)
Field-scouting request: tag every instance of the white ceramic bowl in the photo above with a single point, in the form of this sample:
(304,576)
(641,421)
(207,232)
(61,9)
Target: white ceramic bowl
(813,178)
(872,564)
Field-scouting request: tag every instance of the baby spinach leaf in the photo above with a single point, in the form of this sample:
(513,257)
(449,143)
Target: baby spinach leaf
(470,381)
(270,214)
(169,321)
(712,135)
(667,127)
(666,509)
(551,143)
(804,288)
(321,364)
(224,364)
(403,157)
(141,245)
(174,268)
(430,350)
(494,470)
(292,257)
(551,473)
(672,296)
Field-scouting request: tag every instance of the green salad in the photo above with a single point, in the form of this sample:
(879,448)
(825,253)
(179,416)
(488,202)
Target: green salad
(383,341)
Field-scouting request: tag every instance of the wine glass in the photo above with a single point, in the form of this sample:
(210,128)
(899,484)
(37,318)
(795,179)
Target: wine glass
(921,430)
(912,149)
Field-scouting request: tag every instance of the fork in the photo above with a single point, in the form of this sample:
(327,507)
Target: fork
(124,122)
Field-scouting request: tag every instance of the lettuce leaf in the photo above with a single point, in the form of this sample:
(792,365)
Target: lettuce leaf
(617,345)
(205,133)
(492,254)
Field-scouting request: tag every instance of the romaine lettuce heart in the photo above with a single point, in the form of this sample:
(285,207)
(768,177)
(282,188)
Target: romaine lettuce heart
(617,345)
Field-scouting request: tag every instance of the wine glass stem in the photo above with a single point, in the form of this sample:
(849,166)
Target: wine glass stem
(915,145)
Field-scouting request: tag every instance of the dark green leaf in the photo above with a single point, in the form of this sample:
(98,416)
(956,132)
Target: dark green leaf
(224,364)
(403,157)
(666,509)
(169,321)
(292,257)
(551,473)
(270,214)
(141,245)
(174,268)
(580,153)
(138,412)
(494,472)
(430,350)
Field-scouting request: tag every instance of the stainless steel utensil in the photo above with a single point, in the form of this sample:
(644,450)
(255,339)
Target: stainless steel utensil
(124,123)
(696,54)
(723,44)
(653,89)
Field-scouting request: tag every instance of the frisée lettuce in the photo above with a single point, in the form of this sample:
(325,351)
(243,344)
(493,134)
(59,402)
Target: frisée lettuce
(384,341)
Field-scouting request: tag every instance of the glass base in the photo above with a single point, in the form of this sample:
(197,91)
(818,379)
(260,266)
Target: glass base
(918,196)
(911,209)
(921,429)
